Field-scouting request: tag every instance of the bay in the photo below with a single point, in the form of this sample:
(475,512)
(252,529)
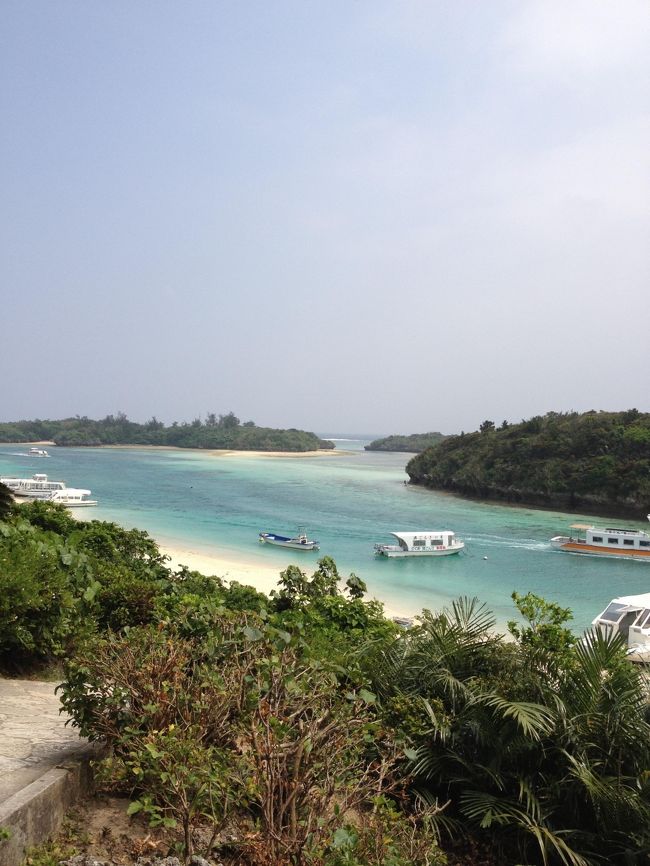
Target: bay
(348,500)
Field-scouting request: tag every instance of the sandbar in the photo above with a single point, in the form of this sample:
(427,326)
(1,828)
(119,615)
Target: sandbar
(231,452)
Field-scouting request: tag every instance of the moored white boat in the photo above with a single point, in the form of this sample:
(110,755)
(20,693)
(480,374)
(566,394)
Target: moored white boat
(297,542)
(36,487)
(622,543)
(629,617)
(428,542)
(72,497)
(11,482)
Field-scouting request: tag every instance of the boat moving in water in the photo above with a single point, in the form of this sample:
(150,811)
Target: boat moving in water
(428,542)
(298,542)
(624,543)
(37,452)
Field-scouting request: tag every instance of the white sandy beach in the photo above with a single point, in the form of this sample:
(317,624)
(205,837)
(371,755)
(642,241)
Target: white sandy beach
(261,576)
(216,452)
(229,452)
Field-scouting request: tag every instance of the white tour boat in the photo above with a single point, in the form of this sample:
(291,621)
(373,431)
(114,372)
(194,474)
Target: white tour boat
(72,497)
(36,487)
(625,543)
(11,482)
(429,542)
(37,452)
(628,616)
(297,542)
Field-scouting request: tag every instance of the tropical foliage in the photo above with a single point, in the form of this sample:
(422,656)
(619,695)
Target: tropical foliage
(416,442)
(5,501)
(216,431)
(550,765)
(317,731)
(597,461)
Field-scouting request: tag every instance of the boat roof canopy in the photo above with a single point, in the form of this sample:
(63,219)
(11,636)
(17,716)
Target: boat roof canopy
(408,536)
(631,601)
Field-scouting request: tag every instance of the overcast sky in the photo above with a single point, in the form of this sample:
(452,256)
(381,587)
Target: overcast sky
(354,216)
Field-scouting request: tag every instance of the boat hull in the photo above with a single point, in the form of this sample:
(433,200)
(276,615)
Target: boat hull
(595,550)
(291,543)
(32,494)
(399,554)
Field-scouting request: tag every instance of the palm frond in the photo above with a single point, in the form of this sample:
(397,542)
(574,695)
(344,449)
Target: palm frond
(488,810)
(534,720)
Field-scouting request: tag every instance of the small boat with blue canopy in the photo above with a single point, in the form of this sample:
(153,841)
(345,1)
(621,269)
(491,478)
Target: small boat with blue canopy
(296,542)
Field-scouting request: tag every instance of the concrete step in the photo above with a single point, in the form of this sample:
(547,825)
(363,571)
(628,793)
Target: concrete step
(44,766)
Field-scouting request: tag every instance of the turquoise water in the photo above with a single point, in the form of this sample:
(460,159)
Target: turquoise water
(348,501)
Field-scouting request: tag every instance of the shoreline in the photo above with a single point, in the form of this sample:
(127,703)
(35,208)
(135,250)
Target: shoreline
(229,452)
(250,572)
(211,452)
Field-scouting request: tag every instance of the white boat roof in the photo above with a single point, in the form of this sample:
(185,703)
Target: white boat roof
(409,536)
(612,530)
(74,491)
(642,600)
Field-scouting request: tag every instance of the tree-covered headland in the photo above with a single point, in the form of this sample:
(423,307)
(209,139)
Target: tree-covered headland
(592,462)
(415,442)
(304,728)
(216,431)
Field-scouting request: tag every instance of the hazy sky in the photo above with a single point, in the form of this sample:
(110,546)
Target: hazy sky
(355,216)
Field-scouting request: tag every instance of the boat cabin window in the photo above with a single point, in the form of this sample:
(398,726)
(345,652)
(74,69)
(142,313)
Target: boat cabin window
(436,542)
(629,541)
(419,542)
(612,541)
(626,621)
(644,620)
(597,538)
(613,612)
(643,543)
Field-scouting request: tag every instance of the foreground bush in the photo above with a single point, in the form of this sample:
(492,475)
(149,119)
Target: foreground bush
(246,724)
(43,597)
(314,729)
(540,745)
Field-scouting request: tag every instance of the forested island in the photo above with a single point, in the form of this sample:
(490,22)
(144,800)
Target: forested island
(595,462)
(304,727)
(216,431)
(416,442)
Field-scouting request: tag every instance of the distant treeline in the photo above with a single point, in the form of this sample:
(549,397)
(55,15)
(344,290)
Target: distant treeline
(416,442)
(596,461)
(217,431)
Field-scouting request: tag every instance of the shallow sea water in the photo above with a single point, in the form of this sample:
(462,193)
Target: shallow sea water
(349,501)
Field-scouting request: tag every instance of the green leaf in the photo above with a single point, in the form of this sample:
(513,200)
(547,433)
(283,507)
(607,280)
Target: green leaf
(367,696)
(134,807)
(343,838)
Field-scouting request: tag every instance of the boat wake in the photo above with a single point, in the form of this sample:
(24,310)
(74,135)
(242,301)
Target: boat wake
(511,543)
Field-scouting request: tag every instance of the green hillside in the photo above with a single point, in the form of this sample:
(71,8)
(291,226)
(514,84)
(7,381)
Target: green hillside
(416,442)
(217,431)
(596,461)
